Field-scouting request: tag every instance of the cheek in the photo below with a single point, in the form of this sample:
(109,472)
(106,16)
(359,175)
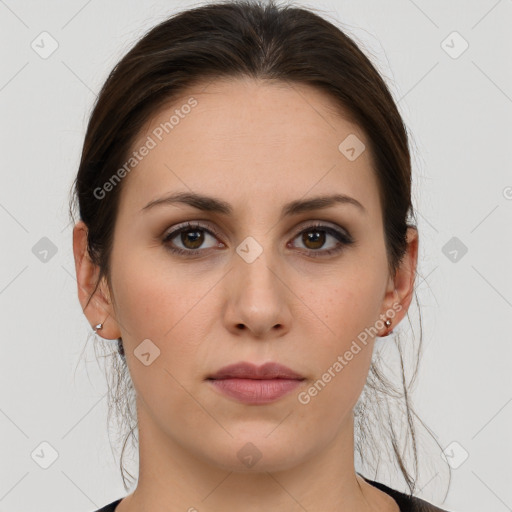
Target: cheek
(345,340)
(158,300)
(341,361)
(340,373)
(162,306)
(350,307)
(175,310)
(338,386)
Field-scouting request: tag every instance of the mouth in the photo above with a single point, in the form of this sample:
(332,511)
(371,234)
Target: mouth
(251,384)
(245,370)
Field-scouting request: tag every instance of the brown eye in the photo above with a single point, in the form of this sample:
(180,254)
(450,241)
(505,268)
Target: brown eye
(320,240)
(314,237)
(190,239)
(193,237)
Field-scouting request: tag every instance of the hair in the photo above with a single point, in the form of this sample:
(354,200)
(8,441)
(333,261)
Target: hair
(272,43)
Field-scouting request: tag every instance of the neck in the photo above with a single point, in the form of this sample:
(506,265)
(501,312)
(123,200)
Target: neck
(173,477)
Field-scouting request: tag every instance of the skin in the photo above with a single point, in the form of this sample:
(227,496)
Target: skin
(256,146)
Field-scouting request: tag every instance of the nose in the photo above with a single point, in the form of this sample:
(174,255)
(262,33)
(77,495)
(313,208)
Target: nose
(258,299)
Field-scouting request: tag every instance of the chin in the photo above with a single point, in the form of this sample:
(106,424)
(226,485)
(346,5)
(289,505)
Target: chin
(256,453)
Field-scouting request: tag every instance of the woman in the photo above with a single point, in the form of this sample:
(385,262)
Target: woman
(244,235)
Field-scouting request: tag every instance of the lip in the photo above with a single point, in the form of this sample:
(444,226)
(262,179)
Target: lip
(245,370)
(251,384)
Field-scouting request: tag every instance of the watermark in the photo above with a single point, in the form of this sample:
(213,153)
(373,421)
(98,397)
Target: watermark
(454,454)
(44,454)
(352,147)
(44,45)
(249,455)
(304,397)
(146,352)
(454,45)
(137,156)
(454,249)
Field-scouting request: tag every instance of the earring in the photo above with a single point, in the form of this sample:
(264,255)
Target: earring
(99,326)
(387,323)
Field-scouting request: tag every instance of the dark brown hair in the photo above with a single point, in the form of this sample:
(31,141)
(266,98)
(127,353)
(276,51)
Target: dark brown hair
(265,41)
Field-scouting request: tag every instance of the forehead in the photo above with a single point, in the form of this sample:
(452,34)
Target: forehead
(251,140)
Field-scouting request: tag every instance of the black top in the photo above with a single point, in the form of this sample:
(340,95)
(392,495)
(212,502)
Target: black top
(405,502)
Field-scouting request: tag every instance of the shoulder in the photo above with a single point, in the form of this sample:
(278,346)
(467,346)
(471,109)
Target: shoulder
(405,502)
(110,507)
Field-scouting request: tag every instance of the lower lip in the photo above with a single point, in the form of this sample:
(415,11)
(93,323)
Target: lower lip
(255,391)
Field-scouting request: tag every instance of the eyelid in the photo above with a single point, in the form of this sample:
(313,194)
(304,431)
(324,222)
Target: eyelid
(318,223)
(189,225)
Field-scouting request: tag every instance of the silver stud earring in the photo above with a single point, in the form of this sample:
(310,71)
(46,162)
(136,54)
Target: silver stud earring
(387,323)
(98,327)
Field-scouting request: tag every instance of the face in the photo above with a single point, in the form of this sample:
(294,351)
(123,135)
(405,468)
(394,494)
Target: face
(251,279)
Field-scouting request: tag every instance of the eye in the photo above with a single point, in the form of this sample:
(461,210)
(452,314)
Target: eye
(191,236)
(316,236)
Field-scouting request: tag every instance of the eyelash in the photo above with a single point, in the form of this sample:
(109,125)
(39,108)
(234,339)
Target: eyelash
(343,239)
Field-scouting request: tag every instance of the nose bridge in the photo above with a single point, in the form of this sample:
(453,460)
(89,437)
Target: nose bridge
(258,300)
(255,264)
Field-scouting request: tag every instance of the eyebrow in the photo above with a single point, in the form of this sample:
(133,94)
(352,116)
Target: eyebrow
(212,204)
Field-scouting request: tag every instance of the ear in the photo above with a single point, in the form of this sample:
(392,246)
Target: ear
(401,287)
(100,308)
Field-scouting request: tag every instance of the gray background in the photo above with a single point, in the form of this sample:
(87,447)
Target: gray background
(458,109)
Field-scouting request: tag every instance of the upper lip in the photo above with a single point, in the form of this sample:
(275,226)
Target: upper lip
(245,370)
